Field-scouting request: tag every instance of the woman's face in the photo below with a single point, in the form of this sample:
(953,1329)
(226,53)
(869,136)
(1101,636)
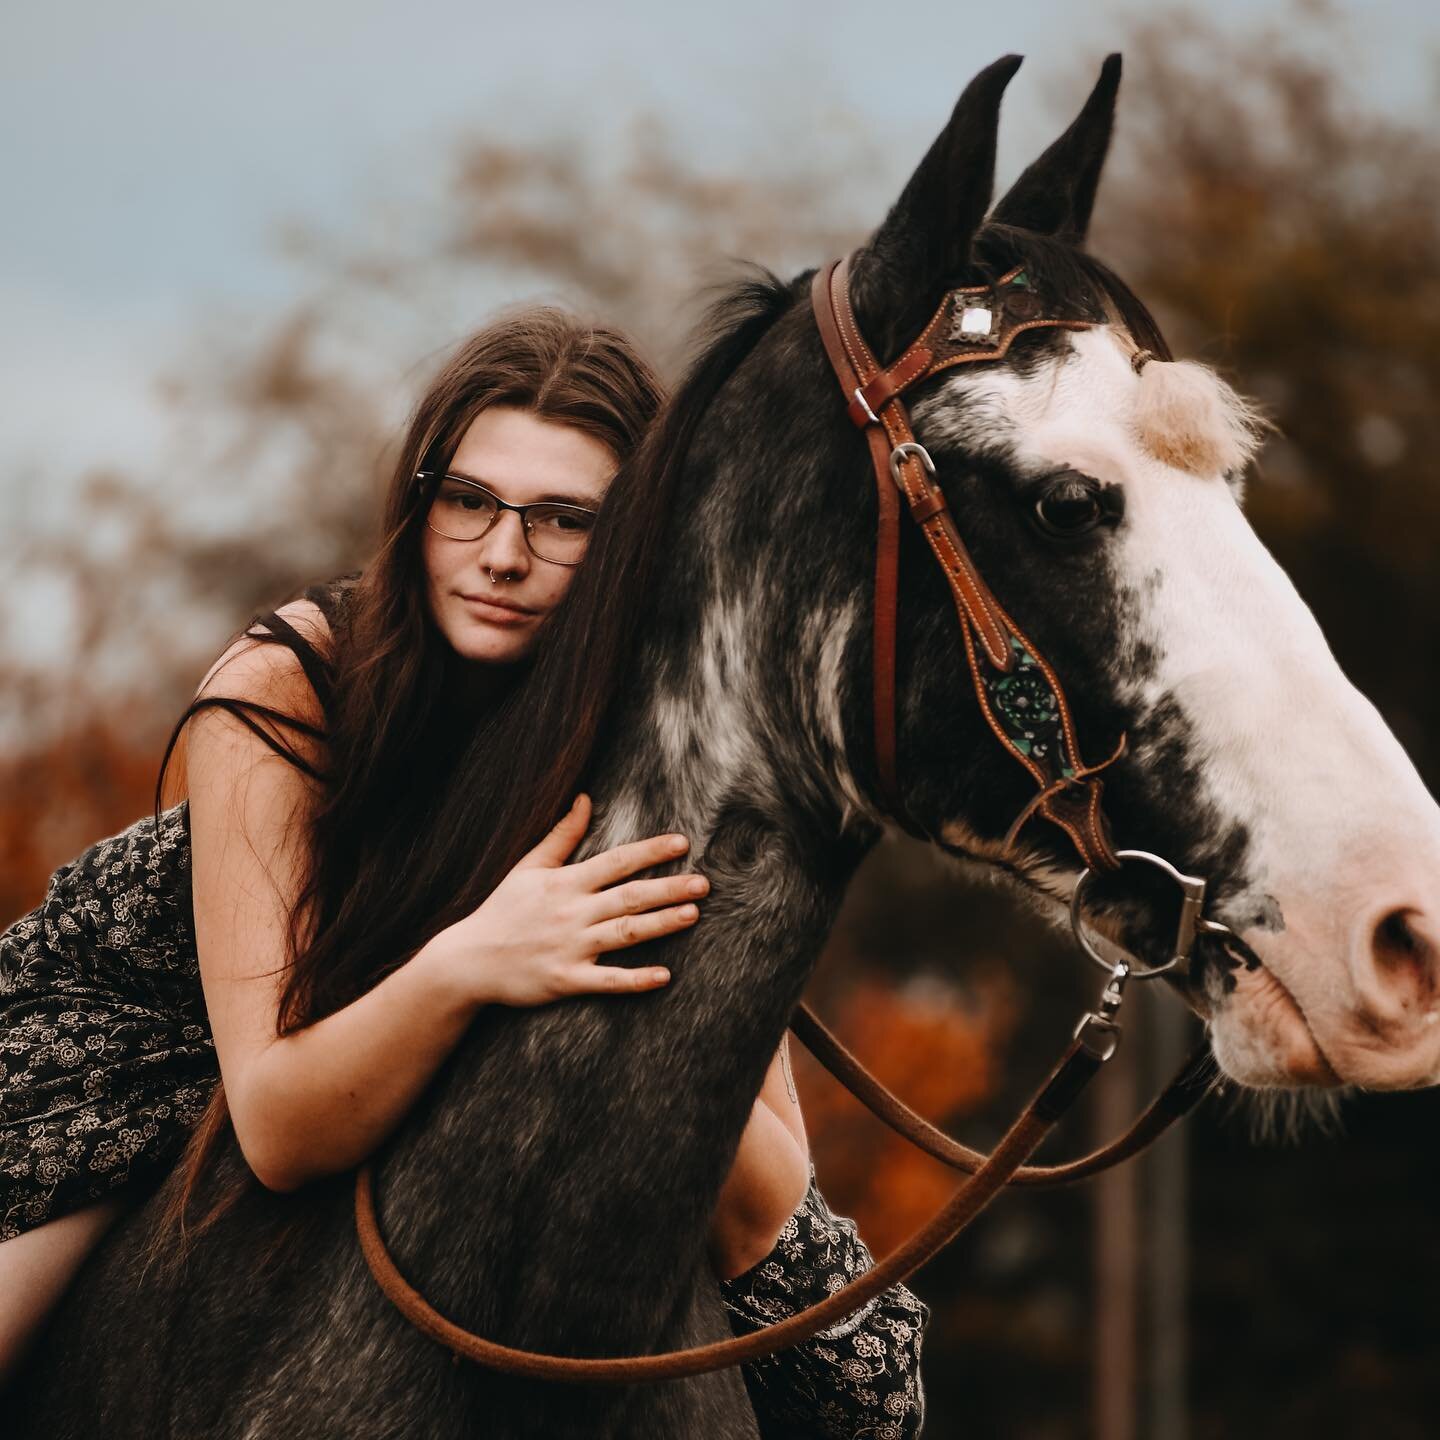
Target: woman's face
(523,459)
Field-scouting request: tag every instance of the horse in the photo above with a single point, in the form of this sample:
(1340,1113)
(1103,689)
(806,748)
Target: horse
(552,1189)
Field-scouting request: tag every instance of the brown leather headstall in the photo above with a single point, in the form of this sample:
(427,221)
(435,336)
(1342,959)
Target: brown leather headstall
(1019,693)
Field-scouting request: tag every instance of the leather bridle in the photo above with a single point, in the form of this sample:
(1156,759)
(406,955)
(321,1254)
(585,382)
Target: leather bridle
(1025,706)
(1019,693)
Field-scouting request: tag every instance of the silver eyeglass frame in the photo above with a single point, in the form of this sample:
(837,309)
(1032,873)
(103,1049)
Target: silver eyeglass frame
(422,477)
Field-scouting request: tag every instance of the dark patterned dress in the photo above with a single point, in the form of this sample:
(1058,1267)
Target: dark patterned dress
(106,1063)
(106,1060)
(859,1377)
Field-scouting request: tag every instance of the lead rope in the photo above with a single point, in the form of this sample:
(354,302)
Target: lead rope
(1079,1064)
(1190,1084)
(1005,1165)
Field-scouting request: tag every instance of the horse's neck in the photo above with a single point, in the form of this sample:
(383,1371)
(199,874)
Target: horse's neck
(557,1191)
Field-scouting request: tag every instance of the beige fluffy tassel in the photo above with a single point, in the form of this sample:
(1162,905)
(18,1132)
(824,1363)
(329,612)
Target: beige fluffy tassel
(1187,416)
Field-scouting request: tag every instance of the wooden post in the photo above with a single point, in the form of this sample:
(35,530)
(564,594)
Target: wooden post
(1171,1033)
(1117,1246)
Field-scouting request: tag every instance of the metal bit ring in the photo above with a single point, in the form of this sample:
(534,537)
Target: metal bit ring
(1192,889)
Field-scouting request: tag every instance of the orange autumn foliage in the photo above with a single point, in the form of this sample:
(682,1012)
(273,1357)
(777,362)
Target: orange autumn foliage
(940,1049)
(59,798)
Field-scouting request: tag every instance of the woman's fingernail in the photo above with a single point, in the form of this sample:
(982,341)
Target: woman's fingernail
(689,912)
(698,886)
(679,842)
(659,976)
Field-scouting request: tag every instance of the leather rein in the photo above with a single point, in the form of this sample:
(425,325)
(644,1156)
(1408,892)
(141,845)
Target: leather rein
(1025,707)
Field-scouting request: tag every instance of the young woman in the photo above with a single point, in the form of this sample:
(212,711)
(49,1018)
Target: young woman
(294,924)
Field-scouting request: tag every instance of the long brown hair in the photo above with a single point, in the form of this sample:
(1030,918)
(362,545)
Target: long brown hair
(406,719)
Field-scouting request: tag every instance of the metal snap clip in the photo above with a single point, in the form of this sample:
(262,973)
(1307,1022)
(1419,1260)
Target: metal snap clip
(1098,1031)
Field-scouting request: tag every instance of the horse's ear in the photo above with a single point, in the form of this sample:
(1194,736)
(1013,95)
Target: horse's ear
(926,237)
(1056,194)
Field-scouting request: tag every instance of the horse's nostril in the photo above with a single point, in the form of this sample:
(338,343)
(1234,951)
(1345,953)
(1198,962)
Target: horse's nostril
(1393,935)
(1404,956)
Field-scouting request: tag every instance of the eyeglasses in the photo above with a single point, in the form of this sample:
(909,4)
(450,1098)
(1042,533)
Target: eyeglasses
(464,509)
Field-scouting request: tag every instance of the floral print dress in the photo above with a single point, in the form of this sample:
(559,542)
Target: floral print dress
(106,1060)
(107,1063)
(859,1377)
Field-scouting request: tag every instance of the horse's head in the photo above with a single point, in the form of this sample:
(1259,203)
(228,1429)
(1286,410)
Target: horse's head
(1100,497)
(1101,500)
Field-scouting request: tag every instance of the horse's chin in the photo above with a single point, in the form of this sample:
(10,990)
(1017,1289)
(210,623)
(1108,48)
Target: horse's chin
(1261,1038)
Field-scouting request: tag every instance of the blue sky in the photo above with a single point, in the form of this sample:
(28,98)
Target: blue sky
(150,151)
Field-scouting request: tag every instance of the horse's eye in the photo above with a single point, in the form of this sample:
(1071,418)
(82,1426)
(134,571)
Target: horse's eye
(1069,507)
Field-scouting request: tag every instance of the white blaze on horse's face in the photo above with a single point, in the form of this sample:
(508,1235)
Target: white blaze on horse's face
(1341,890)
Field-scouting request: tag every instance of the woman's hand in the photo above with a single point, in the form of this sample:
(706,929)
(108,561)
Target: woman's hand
(537,936)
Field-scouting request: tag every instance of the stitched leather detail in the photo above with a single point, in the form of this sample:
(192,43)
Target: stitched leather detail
(1069,795)
(861,360)
(947,544)
(985,709)
(1000,350)
(929,506)
(885,385)
(1072,744)
(948,548)
(844,361)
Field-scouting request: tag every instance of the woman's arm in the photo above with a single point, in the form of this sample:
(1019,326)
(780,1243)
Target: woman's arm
(320,1099)
(768,1177)
(778,1248)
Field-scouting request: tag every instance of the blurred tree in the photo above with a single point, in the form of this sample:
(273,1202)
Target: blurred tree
(1287,231)
(282,430)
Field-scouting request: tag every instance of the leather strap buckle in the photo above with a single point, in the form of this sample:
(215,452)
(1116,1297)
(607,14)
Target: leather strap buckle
(860,400)
(931,501)
(899,453)
(1098,1037)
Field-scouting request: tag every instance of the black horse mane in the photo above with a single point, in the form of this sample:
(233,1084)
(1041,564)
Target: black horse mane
(1069,277)
(735,322)
(740,316)
(737,318)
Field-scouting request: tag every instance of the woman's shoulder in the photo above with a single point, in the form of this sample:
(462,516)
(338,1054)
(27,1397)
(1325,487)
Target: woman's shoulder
(275,676)
(281,659)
